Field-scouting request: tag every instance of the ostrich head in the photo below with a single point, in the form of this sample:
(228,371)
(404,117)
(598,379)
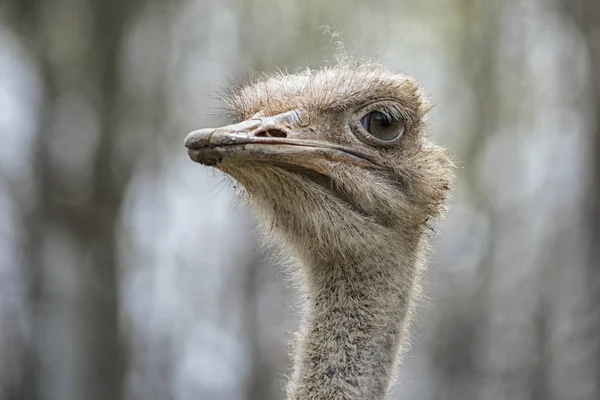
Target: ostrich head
(338,166)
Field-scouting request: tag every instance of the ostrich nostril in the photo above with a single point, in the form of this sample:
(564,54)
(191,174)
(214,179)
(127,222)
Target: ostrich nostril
(271,133)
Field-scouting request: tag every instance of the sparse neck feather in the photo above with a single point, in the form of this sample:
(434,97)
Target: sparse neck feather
(356,316)
(359,271)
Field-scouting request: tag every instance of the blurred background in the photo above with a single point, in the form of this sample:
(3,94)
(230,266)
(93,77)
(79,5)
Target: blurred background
(129,272)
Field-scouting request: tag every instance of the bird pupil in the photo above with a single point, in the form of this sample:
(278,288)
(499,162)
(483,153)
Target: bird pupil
(382,126)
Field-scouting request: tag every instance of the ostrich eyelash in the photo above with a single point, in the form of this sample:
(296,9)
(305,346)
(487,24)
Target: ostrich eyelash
(391,110)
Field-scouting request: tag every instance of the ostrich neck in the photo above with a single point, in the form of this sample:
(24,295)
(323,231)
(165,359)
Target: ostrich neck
(354,323)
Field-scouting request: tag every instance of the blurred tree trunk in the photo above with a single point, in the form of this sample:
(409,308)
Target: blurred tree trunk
(457,351)
(586,16)
(87,215)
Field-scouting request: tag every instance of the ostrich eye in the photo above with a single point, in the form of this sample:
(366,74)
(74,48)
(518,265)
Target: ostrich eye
(382,126)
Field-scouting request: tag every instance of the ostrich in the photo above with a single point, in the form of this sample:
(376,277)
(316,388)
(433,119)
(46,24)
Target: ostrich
(336,163)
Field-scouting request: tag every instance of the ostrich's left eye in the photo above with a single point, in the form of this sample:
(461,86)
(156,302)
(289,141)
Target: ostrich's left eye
(382,126)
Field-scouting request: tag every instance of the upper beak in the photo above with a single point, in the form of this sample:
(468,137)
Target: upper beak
(270,140)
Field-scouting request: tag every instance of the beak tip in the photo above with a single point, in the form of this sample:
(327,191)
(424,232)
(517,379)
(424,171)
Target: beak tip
(197,138)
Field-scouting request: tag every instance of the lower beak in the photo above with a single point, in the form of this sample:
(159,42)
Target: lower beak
(248,142)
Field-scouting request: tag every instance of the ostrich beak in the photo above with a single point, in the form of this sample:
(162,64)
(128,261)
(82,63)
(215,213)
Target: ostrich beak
(271,140)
